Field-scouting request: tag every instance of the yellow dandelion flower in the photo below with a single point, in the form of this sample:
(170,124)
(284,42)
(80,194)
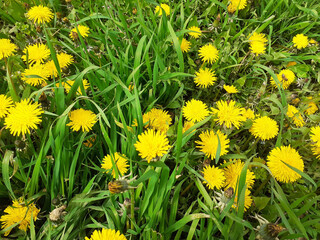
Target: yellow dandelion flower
(300,41)
(51,68)
(21,213)
(37,53)
(82,119)
(232,173)
(120,161)
(312,41)
(315,148)
(285,154)
(205,78)
(6,48)
(286,77)
(69,83)
(106,234)
(187,125)
(214,177)
(195,110)
(247,200)
(35,75)
(315,134)
(210,141)
(236,4)
(196,32)
(229,114)
(230,89)
(264,128)
(257,43)
(23,117)
(185,45)
(64,59)
(164,7)
(249,114)
(40,14)
(209,53)
(292,110)
(5,104)
(312,107)
(297,118)
(83,30)
(157,119)
(152,144)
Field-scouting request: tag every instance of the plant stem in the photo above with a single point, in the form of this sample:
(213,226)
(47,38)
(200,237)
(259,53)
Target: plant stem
(12,88)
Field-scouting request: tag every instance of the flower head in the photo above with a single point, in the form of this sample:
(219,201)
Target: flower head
(315,134)
(286,77)
(214,177)
(164,7)
(196,32)
(312,107)
(264,128)
(36,75)
(209,53)
(300,41)
(185,45)
(195,110)
(236,4)
(120,161)
(82,119)
(83,30)
(152,144)
(157,119)
(187,125)
(69,83)
(64,59)
(229,114)
(297,118)
(249,114)
(210,142)
(5,104)
(205,77)
(257,43)
(40,14)
(19,212)
(232,173)
(23,117)
(106,234)
(6,48)
(247,200)
(315,148)
(36,53)
(230,89)
(285,154)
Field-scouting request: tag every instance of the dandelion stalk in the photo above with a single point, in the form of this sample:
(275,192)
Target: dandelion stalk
(12,88)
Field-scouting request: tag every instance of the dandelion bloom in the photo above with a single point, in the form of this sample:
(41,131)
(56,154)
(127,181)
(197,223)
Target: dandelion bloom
(164,7)
(187,125)
(69,83)
(312,107)
(37,53)
(152,144)
(210,141)
(297,118)
(40,14)
(300,41)
(264,128)
(83,30)
(64,59)
(36,75)
(236,4)
(106,234)
(157,119)
(82,119)
(232,173)
(209,53)
(247,200)
(257,43)
(214,177)
(230,89)
(51,68)
(120,161)
(195,110)
(249,114)
(19,212)
(315,134)
(205,78)
(285,77)
(229,114)
(5,104)
(6,48)
(285,154)
(196,32)
(315,148)
(23,117)
(185,45)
